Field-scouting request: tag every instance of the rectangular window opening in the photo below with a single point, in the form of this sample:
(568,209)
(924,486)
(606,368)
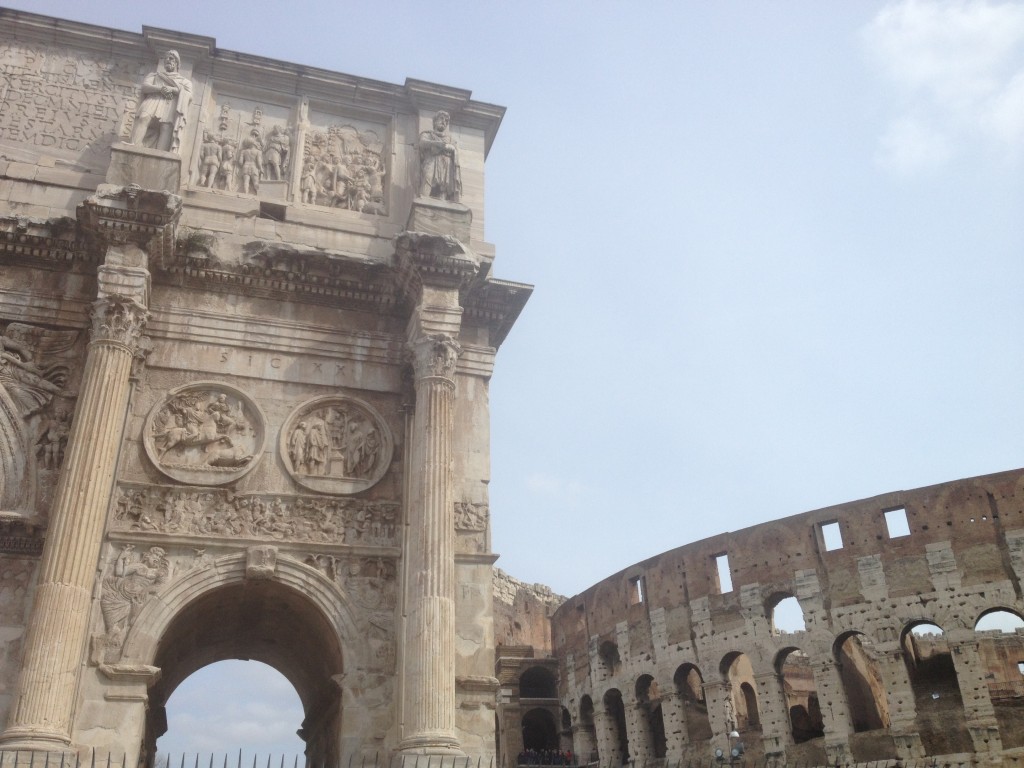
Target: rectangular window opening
(832,536)
(636,590)
(896,522)
(1020,667)
(724,575)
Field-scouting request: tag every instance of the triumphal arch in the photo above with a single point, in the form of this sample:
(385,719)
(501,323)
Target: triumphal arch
(248,324)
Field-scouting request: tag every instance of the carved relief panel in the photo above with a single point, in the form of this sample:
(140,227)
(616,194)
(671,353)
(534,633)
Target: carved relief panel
(343,164)
(216,512)
(39,369)
(206,433)
(247,147)
(471,522)
(336,445)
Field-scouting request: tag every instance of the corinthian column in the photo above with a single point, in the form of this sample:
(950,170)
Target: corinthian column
(55,642)
(430,628)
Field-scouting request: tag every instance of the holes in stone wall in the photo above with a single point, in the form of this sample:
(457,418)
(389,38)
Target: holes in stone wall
(896,522)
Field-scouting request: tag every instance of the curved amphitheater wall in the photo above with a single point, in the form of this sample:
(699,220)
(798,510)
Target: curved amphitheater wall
(661,661)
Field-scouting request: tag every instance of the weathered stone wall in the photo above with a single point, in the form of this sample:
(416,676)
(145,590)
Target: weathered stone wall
(856,684)
(522,613)
(278,439)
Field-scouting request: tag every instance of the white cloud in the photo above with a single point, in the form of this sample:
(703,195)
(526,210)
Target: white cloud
(959,69)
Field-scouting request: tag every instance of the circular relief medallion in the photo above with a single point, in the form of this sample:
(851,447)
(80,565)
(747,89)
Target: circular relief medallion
(205,433)
(336,445)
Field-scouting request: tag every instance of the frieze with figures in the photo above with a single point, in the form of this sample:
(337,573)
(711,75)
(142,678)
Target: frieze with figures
(215,512)
(343,167)
(206,433)
(336,445)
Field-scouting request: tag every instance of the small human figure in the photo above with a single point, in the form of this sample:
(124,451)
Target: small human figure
(340,179)
(275,156)
(226,172)
(317,447)
(297,447)
(251,160)
(53,439)
(163,107)
(209,160)
(309,186)
(440,175)
(221,413)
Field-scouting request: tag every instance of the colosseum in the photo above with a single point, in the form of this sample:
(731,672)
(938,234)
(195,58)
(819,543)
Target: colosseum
(678,659)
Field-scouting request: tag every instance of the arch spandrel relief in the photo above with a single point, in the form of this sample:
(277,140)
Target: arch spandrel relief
(38,367)
(205,433)
(336,445)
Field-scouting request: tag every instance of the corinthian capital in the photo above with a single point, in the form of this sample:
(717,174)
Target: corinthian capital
(435,355)
(119,319)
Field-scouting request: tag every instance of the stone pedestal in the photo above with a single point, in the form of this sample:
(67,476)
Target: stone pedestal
(439,217)
(147,168)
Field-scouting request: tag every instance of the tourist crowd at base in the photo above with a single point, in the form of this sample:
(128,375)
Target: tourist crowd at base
(546,757)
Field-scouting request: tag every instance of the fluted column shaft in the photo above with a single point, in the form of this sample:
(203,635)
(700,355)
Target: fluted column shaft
(55,643)
(430,626)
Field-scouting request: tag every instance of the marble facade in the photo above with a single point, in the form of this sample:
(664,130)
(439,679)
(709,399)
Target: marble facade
(248,326)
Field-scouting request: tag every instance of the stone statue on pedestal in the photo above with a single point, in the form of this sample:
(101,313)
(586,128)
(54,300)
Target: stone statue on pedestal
(164,99)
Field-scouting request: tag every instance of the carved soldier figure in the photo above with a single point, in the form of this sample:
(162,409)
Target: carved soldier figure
(251,160)
(163,107)
(309,184)
(275,157)
(297,447)
(440,175)
(209,160)
(226,172)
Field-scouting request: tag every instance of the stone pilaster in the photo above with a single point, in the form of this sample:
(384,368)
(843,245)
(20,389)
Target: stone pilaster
(133,226)
(902,706)
(776,730)
(584,742)
(835,716)
(978,709)
(434,268)
(608,749)
(638,732)
(55,643)
(676,733)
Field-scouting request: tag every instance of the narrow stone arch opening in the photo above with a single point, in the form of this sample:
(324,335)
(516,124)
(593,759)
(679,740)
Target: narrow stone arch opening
(801,692)
(265,621)
(615,711)
(652,720)
(1001,651)
(933,679)
(785,614)
(690,686)
(540,734)
(862,683)
(538,683)
(737,670)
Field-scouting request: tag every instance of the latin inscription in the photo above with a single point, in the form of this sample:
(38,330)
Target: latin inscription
(51,100)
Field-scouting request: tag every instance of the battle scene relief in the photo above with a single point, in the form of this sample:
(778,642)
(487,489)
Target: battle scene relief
(204,433)
(343,165)
(215,512)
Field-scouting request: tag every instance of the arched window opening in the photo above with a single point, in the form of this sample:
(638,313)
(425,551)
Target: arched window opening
(862,684)
(586,740)
(538,683)
(652,721)
(787,616)
(232,705)
(737,670)
(566,741)
(1000,620)
(940,712)
(616,712)
(801,696)
(540,735)
(690,687)
(1001,650)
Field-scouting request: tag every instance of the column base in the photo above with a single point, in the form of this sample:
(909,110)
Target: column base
(430,744)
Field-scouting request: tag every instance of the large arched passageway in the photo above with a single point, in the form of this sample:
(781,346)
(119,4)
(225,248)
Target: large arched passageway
(262,620)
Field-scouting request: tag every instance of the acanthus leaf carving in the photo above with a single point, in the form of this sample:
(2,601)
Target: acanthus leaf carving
(435,355)
(119,319)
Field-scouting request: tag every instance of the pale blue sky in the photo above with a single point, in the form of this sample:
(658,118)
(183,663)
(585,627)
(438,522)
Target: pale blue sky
(777,247)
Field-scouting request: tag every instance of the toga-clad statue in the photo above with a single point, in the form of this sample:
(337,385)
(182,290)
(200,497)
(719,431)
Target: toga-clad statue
(163,107)
(440,176)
